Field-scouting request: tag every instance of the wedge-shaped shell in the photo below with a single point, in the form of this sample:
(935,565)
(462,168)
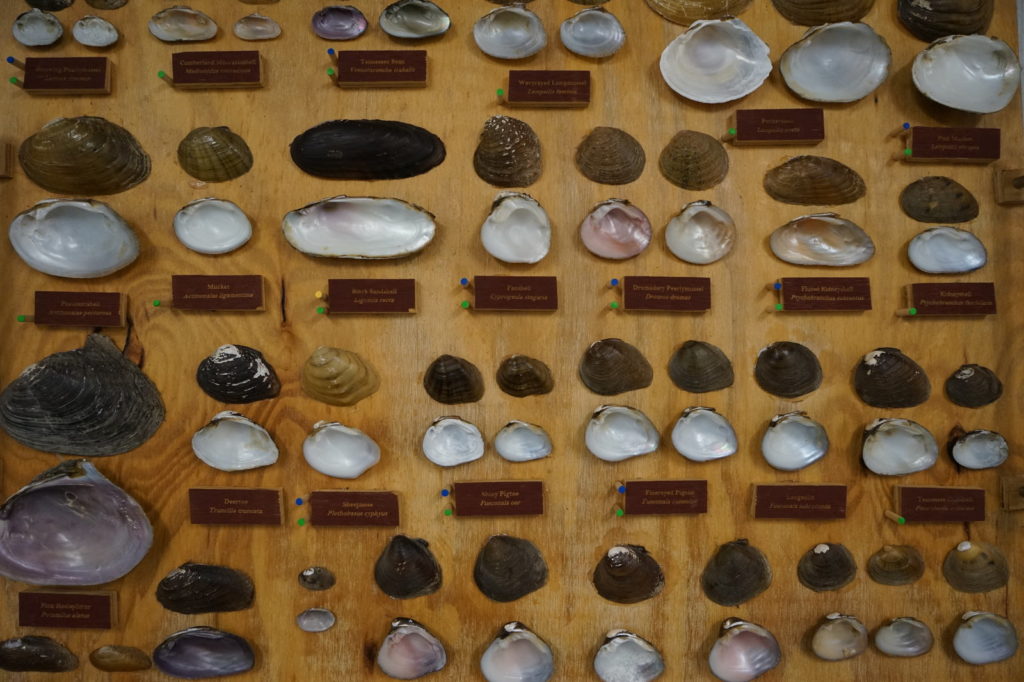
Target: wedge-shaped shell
(968,72)
(521,375)
(839,637)
(896,565)
(363,149)
(743,651)
(116,658)
(35,653)
(36,28)
(233,442)
(339,451)
(984,638)
(627,574)
(85,155)
(78,238)
(407,569)
(610,156)
(686,11)
(973,386)
(237,374)
(509,568)
(257,27)
(897,447)
(203,652)
(410,651)
(616,229)
(338,377)
(938,199)
(886,377)
(451,441)
(826,566)
(904,637)
(517,655)
(702,435)
(616,432)
(205,588)
(182,24)
(938,18)
(510,33)
(414,19)
(946,250)
(793,441)
(339,22)
(976,567)
(694,160)
(817,12)
(822,239)
(212,226)
(736,573)
(91,401)
(814,180)
(787,369)
(627,657)
(841,62)
(520,441)
(700,367)
(452,380)
(716,61)
(508,153)
(517,230)
(594,32)
(701,233)
(612,366)
(95,32)
(214,154)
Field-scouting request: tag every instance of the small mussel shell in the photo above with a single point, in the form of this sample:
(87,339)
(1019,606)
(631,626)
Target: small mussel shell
(214,154)
(702,435)
(182,24)
(627,574)
(946,250)
(36,28)
(938,18)
(110,4)
(976,567)
(793,441)
(510,33)
(410,651)
(362,149)
(826,566)
(522,442)
(508,153)
(50,5)
(700,367)
(897,447)
(616,229)
(205,588)
(694,160)
(339,22)
(340,451)
(938,199)
(736,573)
(610,156)
(407,569)
(509,568)
(338,377)
(517,230)
(233,442)
(904,637)
(237,374)
(93,31)
(451,441)
(517,655)
(787,369)
(34,653)
(686,11)
(521,375)
(839,637)
(971,73)
(453,380)
(115,658)
(257,27)
(840,62)
(822,239)
(984,638)
(627,657)
(886,377)
(317,578)
(594,32)
(977,449)
(203,652)
(817,12)
(973,386)
(701,233)
(315,620)
(414,19)
(616,432)
(814,180)
(743,651)
(612,366)
(896,565)
(212,226)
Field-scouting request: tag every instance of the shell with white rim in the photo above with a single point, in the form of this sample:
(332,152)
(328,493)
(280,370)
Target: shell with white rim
(233,442)
(968,72)
(451,441)
(339,451)
(841,62)
(715,61)
(617,432)
(517,230)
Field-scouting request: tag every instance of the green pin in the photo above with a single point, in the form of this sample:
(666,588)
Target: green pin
(302,522)
(321,310)
(330,72)
(778,306)
(464,305)
(614,305)
(732,131)
(156,303)
(13,80)
(908,152)
(501,93)
(161,74)
(902,521)
(912,311)
(619,512)
(447,512)
(21,318)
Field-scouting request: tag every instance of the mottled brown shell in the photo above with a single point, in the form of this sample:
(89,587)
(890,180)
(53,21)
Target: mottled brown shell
(787,369)
(694,160)
(737,573)
(827,566)
(973,386)
(508,154)
(214,154)
(687,11)
(612,366)
(814,181)
(700,367)
(610,156)
(938,18)
(338,377)
(521,375)
(452,380)
(407,568)
(818,12)
(509,568)
(627,574)
(896,565)
(115,658)
(886,377)
(975,567)
(938,199)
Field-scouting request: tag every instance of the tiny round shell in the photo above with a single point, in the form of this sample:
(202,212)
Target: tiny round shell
(694,160)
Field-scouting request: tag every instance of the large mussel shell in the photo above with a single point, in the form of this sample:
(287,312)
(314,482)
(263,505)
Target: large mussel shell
(91,401)
(237,374)
(716,61)
(233,442)
(452,380)
(886,377)
(339,22)
(594,32)
(203,652)
(612,366)
(839,637)
(904,637)
(627,657)
(972,73)
(36,28)
(521,375)
(938,18)
(694,160)
(896,565)
(702,435)
(817,12)
(973,386)
(407,568)
(700,367)
(363,149)
(787,369)
(627,574)
(214,154)
(116,658)
(510,33)
(204,588)
(737,573)
(976,567)
(182,24)
(826,566)
(340,451)
(509,568)
(60,528)
(814,180)
(34,653)
(85,155)
(793,441)
(938,199)
(451,441)
(984,638)
(517,655)
(822,239)
(508,153)
(687,11)
(338,377)
(841,62)
(610,156)
(743,651)
(946,250)
(410,651)
(617,432)
(414,19)
(520,441)
(897,447)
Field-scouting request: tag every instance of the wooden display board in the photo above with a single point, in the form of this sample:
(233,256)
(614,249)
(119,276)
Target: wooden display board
(579,522)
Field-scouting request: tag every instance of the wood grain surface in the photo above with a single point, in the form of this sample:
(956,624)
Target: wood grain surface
(579,523)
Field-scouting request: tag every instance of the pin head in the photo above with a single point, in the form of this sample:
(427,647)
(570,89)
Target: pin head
(12,79)
(614,282)
(906,126)
(619,512)
(501,92)
(330,51)
(321,310)
(21,318)
(778,306)
(464,281)
(464,305)
(447,512)
(912,311)
(10,60)
(622,489)
(778,286)
(156,303)
(614,305)
(732,131)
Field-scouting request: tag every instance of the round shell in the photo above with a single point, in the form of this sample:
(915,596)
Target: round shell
(257,27)
(612,366)
(904,637)
(233,442)
(984,638)
(338,377)
(616,229)
(817,12)
(361,149)
(407,569)
(968,72)
(616,432)
(736,573)
(793,441)
(610,156)
(896,565)
(509,568)
(182,24)
(517,230)
(898,447)
(237,374)
(627,574)
(510,33)
(212,226)
(414,19)
(686,11)
(451,441)
(886,377)
(204,588)
(841,62)
(317,578)
(814,180)
(743,651)
(410,651)
(938,18)
(700,367)
(508,153)
(946,251)
(452,380)
(839,637)
(36,28)
(973,386)
(517,655)
(826,566)
(701,233)
(938,199)
(339,451)
(627,657)
(975,567)
(787,369)
(521,375)
(716,61)
(522,442)
(703,435)
(593,32)
(214,154)
(50,5)
(694,160)
(95,32)
(339,22)
(821,239)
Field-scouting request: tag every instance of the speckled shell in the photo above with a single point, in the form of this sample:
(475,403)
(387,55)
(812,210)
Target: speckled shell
(973,386)
(453,380)
(886,377)
(237,374)
(817,12)
(937,18)
(896,565)
(694,160)
(521,375)
(975,567)
(367,150)
(938,199)
(407,569)
(509,568)
(338,377)
(699,367)
(214,154)
(205,588)
(826,566)
(787,369)
(814,180)
(610,156)
(736,573)
(686,11)
(612,366)
(508,153)
(627,574)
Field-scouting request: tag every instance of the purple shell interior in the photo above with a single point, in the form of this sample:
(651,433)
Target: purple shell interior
(203,652)
(339,22)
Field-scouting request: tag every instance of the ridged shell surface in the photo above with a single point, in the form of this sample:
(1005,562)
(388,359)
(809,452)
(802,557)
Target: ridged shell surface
(826,566)
(694,160)
(898,447)
(787,369)
(817,12)
(700,367)
(237,374)
(116,658)
(904,637)
(841,62)
(973,386)
(517,230)
(938,199)
(359,227)
(627,657)
(205,588)
(362,149)
(517,655)
(182,24)
(839,637)
(716,61)
(214,154)
(814,180)
(594,32)
(512,32)
(617,432)
(233,442)
(203,652)
(736,573)
(212,226)
(971,73)
(896,565)
(339,22)
(338,377)
(453,380)
(822,239)
(976,567)
(508,153)
(340,451)
(686,11)
(410,651)
(414,19)
(509,568)
(627,574)
(886,377)
(610,156)
(743,651)
(35,653)
(946,251)
(407,569)
(521,375)
(701,233)
(36,28)
(932,19)
(616,229)
(613,366)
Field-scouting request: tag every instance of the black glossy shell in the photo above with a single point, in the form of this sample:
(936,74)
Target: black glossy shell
(700,367)
(521,375)
(627,574)
(827,566)
(407,568)
(973,386)
(886,377)
(205,588)
(452,380)
(237,374)
(612,366)
(508,568)
(367,150)
(737,573)
(33,653)
(938,199)
(787,369)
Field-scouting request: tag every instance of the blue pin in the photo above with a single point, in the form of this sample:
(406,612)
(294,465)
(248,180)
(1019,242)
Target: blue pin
(777,286)
(330,51)
(622,489)
(445,492)
(614,282)
(464,281)
(299,501)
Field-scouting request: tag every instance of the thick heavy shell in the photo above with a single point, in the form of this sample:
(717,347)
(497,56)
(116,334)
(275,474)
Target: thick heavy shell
(78,238)
(453,380)
(508,153)
(338,377)
(35,653)
(339,451)
(610,156)
(451,441)
(339,22)
(736,573)
(743,651)
(793,441)
(407,568)
(686,11)
(814,180)
(414,19)
(616,229)
(612,366)
(839,637)
(716,61)
(517,230)
(616,432)
(214,154)
(115,658)
(60,528)
(946,250)
(822,239)
(700,367)
(968,72)
(522,442)
(938,199)
(904,637)
(627,574)
(95,32)
(898,447)
(627,657)
(975,567)
(984,638)
(91,401)
(36,28)
(973,386)
(517,655)
(257,27)
(233,442)
(825,567)
(886,377)
(841,62)
(203,652)
(896,565)
(703,435)
(85,155)
(410,651)
(701,233)
(237,374)
(510,33)
(521,375)
(817,12)
(359,227)
(362,149)
(317,578)
(316,620)
(594,32)
(787,369)
(694,160)
(182,24)
(937,18)
(212,226)
(205,588)
(509,568)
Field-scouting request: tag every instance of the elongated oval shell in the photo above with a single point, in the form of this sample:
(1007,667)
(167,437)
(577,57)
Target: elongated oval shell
(694,160)
(204,588)
(203,652)
(793,441)
(616,432)
(233,442)
(94,31)
(700,367)
(256,27)
(182,24)
(839,637)
(517,655)
(686,11)
(973,386)
(736,573)
(946,251)
(938,18)
(237,374)
(616,229)
(116,658)
(414,19)
(610,156)
(339,22)
(822,239)
(593,32)
(338,377)
(627,574)
(840,62)
(509,568)
(612,366)
(814,180)
(702,435)
(898,447)
(817,12)
(521,375)
(976,567)
(36,28)
(896,565)
(743,651)
(410,651)
(451,441)
(452,380)
(701,233)
(968,72)
(826,566)
(214,154)
(35,653)
(517,230)
(787,369)
(50,5)
(339,451)
(627,657)
(509,33)
(107,4)
(508,153)
(715,61)
(520,441)
(212,226)
(984,638)
(886,377)
(938,199)
(407,569)
(904,637)
(367,150)
(316,620)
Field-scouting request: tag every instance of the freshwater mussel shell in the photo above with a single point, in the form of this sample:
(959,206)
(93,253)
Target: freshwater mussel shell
(212,226)
(897,447)
(520,441)
(946,250)
(839,637)
(50,5)
(975,567)
(414,19)
(972,73)
(840,62)
(338,377)
(694,160)
(610,156)
(613,366)
(508,153)
(787,369)
(233,442)
(35,653)
(817,12)
(517,655)
(716,61)
(700,367)
(886,377)
(451,441)
(339,22)
(593,32)
(256,27)
(317,578)
(410,651)
(521,375)
(237,374)
(509,568)
(510,33)
(702,435)
(203,652)
(94,31)
(340,451)
(205,588)
(91,402)
(736,573)
(366,149)
(182,24)
(616,229)
(794,441)
(517,230)
(36,28)
(617,432)
(896,565)
(214,154)
(822,239)
(904,637)
(407,569)
(983,638)
(84,156)
(701,233)
(627,657)
(686,11)
(814,180)
(117,658)
(316,620)
(973,386)
(743,651)
(938,18)
(453,380)
(109,4)
(826,566)
(627,574)
(938,199)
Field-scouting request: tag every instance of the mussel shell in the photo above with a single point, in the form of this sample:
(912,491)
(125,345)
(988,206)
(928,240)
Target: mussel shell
(627,657)
(237,374)
(787,369)
(686,11)
(521,375)
(50,5)
(36,28)
(517,230)
(886,377)
(340,451)
(841,62)
(817,12)
(743,651)
(517,655)
(612,366)
(715,61)
(616,229)
(316,620)
(256,27)
(339,22)
(839,637)
(594,32)
(509,568)
(510,33)
(701,233)
(979,449)
(610,156)
(453,380)
(508,153)
(793,441)
(204,588)
(203,652)
(984,638)
(897,447)
(975,567)
(214,154)
(627,574)
(414,19)
(703,435)
(116,658)
(317,578)
(826,566)
(904,637)
(108,4)
(451,441)
(91,401)
(896,565)
(822,239)
(938,199)
(814,180)
(182,24)
(410,651)
(700,367)
(407,569)
(85,156)
(35,653)
(362,149)
(212,226)
(973,386)
(946,250)
(94,32)
(338,377)
(520,441)
(736,573)
(694,160)
(938,18)
(233,442)
(971,73)
(616,432)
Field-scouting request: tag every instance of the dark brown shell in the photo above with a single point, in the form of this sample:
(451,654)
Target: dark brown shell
(508,154)
(205,588)
(973,386)
(50,5)
(822,569)
(521,375)
(814,181)
(937,199)
(886,377)
(818,12)
(978,567)
(610,156)
(115,658)
(452,380)
(367,149)
(612,366)
(787,369)
(896,565)
(694,160)
(317,578)
(35,653)
(627,574)
(214,154)
(687,11)
(938,18)
(699,367)
(508,568)
(407,568)
(737,573)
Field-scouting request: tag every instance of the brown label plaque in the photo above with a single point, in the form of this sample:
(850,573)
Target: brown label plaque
(217,292)
(235,506)
(382,68)
(67,610)
(515,293)
(953,145)
(80,308)
(953,505)
(779,126)
(666,497)
(676,294)
(832,294)
(499,498)
(371,296)
(353,508)
(544,88)
(67,75)
(806,502)
(955,298)
(6,160)
(220,69)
